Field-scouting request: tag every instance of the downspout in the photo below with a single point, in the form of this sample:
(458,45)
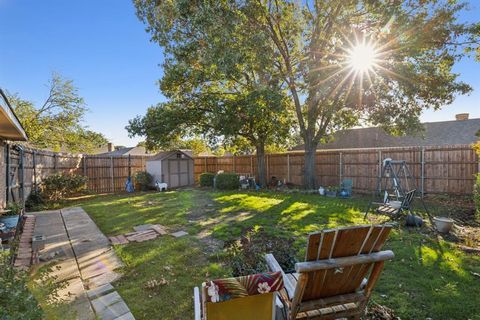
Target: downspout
(7,173)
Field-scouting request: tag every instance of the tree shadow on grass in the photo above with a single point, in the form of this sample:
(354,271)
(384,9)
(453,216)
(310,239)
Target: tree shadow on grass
(428,278)
(293,214)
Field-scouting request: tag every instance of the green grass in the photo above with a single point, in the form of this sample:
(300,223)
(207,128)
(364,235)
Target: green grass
(428,278)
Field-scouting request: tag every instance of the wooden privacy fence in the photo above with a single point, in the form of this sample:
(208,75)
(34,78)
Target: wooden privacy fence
(26,168)
(443,169)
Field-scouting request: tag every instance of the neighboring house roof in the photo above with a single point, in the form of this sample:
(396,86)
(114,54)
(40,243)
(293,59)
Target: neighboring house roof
(10,126)
(453,132)
(164,154)
(133,151)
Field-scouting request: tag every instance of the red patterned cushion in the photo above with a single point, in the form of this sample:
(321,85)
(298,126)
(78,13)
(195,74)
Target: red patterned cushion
(232,288)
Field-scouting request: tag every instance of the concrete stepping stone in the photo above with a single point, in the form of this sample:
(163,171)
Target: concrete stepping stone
(100,304)
(141,236)
(121,239)
(126,316)
(179,234)
(143,227)
(100,291)
(114,311)
(161,230)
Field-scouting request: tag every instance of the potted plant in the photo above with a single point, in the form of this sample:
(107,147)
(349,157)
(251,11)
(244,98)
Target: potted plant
(331,191)
(143,180)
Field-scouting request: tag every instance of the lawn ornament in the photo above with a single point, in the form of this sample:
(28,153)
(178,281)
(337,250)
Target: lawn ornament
(129,185)
(161,186)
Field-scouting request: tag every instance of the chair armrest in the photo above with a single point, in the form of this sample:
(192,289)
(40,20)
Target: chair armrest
(326,264)
(274,266)
(197,304)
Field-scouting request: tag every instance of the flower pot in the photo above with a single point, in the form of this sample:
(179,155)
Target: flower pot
(331,194)
(443,225)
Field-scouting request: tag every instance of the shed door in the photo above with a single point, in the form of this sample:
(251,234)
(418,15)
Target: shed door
(178,171)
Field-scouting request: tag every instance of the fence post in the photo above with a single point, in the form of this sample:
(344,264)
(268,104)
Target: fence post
(288,167)
(379,169)
(111,175)
(234,168)
(340,171)
(206,167)
(54,163)
(251,165)
(422,181)
(34,160)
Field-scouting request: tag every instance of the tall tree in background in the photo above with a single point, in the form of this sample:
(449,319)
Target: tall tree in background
(364,62)
(344,63)
(57,123)
(218,77)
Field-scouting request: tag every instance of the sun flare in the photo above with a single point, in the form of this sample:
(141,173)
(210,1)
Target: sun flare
(362,57)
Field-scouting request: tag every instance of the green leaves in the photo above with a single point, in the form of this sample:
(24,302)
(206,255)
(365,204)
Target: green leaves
(57,123)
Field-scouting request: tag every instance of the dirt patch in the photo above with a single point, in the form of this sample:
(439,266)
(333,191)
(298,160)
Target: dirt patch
(205,206)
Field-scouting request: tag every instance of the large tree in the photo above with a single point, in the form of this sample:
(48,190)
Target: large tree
(377,62)
(344,63)
(218,77)
(57,123)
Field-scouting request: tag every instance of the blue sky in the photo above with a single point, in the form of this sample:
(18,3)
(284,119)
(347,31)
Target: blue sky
(104,48)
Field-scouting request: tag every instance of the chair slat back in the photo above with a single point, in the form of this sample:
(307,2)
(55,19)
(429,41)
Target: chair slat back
(336,243)
(407,200)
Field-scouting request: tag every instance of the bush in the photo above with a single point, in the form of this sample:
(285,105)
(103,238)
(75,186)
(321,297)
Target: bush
(206,179)
(16,300)
(143,179)
(15,208)
(247,255)
(227,181)
(35,201)
(58,186)
(476,197)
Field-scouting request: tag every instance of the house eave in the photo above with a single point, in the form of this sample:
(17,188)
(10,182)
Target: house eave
(10,127)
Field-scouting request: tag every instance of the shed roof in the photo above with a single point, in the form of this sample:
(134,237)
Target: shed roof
(10,126)
(164,154)
(455,132)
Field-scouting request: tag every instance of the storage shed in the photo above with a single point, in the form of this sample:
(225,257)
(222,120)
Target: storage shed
(175,168)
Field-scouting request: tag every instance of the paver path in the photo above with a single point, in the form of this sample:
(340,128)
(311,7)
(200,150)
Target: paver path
(86,261)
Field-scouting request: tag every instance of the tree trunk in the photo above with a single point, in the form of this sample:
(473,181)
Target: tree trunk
(261,167)
(309,172)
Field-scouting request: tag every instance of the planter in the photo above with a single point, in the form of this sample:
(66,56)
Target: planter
(331,194)
(443,225)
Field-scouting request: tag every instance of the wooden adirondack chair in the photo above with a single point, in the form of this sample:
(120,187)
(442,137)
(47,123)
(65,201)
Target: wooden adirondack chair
(340,270)
(242,298)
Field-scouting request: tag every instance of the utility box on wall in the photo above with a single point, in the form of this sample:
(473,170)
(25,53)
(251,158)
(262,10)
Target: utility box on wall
(175,168)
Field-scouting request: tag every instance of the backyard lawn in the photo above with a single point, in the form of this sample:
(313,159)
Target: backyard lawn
(429,277)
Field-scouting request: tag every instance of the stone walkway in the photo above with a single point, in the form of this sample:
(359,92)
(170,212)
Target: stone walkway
(83,258)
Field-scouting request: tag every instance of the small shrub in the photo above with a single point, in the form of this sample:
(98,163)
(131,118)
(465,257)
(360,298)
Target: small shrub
(476,197)
(247,255)
(16,300)
(58,186)
(206,179)
(227,181)
(143,179)
(15,208)
(35,201)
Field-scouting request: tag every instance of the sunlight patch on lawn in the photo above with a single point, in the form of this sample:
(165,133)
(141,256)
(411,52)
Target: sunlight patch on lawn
(237,202)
